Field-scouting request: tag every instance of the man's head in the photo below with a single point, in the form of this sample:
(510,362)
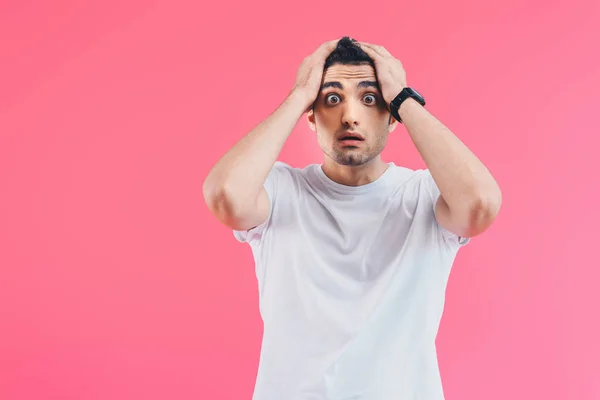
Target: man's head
(350,103)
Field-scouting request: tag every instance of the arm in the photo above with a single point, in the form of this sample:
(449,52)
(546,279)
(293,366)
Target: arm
(469,198)
(234,188)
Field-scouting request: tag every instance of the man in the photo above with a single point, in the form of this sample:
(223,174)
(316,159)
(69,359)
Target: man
(352,256)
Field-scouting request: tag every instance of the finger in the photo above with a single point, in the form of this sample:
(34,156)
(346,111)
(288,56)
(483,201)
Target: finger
(323,51)
(370,52)
(328,46)
(379,50)
(382,50)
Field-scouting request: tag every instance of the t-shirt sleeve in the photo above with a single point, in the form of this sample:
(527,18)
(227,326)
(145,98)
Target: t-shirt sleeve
(271,186)
(435,193)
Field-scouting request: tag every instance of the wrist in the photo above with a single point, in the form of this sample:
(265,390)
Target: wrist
(407,105)
(406,99)
(301,98)
(395,92)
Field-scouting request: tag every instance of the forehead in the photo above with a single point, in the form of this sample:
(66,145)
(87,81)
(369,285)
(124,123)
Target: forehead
(340,72)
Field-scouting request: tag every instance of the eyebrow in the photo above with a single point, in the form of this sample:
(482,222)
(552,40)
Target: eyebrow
(361,84)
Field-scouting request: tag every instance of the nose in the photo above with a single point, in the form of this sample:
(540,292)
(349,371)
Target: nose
(350,114)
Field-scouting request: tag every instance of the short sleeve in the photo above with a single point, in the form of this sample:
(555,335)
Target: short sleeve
(271,186)
(435,193)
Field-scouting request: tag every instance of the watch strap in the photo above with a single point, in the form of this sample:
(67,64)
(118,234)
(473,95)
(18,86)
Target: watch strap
(400,98)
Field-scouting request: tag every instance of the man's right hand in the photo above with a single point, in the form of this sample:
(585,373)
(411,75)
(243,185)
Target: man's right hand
(234,188)
(310,73)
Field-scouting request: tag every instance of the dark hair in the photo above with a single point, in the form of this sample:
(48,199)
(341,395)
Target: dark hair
(348,53)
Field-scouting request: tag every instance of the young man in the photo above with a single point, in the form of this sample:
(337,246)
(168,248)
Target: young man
(352,256)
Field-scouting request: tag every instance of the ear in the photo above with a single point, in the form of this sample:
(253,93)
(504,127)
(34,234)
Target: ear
(393,124)
(310,117)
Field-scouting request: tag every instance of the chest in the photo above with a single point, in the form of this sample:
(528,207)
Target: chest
(345,223)
(354,237)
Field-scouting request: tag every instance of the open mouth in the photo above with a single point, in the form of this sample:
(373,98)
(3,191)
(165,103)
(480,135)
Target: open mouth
(351,138)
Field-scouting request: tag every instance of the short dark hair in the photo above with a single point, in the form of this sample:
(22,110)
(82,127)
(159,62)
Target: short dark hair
(348,52)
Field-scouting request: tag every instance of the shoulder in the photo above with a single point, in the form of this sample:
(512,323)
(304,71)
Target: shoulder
(413,176)
(410,179)
(413,188)
(280,165)
(284,172)
(278,175)
(285,181)
(289,174)
(285,169)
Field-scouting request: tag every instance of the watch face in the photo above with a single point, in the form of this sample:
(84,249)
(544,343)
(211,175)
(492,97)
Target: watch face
(419,98)
(415,92)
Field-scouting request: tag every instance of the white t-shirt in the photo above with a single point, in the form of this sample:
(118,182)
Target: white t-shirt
(352,283)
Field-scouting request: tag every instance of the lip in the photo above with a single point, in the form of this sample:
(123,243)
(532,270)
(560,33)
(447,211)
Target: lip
(356,137)
(351,143)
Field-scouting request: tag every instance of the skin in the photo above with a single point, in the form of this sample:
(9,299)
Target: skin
(470,197)
(348,107)
(233,190)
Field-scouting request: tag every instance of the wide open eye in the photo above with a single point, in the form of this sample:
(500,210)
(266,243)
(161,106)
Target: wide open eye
(370,99)
(332,99)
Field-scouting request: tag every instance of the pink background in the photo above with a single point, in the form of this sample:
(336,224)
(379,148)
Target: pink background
(117,283)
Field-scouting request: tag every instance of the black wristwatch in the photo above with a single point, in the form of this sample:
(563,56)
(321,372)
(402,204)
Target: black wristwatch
(403,95)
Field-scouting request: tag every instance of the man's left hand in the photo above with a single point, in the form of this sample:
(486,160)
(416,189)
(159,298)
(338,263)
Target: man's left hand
(389,70)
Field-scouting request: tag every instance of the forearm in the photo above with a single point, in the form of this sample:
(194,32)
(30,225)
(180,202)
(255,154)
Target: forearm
(240,174)
(464,182)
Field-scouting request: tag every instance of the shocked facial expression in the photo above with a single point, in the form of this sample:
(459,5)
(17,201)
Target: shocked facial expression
(350,116)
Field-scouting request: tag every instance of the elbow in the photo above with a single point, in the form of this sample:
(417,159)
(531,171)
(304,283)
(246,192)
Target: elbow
(218,199)
(221,205)
(211,192)
(225,204)
(482,213)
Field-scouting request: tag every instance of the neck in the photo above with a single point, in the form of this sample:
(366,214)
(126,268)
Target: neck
(354,176)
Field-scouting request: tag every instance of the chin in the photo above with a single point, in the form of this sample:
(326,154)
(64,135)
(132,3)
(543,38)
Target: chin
(352,159)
